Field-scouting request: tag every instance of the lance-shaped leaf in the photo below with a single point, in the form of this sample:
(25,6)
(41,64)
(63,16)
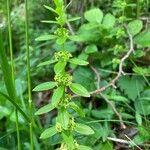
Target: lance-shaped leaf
(63,118)
(58,93)
(50,8)
(46,37)
(48,133)
(59,67)
(49,21)
(83,129)
(47,63)
(77,109)
(79,90)
(78,61)
(45,109)
(73,19)
(6,71)
(45,86)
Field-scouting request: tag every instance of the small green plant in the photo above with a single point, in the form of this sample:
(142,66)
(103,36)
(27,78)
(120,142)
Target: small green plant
(66,125)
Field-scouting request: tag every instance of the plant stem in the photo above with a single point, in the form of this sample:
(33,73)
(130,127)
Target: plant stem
(12,70)
(29,74)
(17,128)
(138,8)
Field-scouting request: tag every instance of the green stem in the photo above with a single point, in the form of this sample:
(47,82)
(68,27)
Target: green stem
(12,70)
(17,128)
(29,75)
(138,8)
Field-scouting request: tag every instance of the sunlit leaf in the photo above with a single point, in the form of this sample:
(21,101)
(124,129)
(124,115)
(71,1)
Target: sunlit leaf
(79,90)
(48,133)
(45,86)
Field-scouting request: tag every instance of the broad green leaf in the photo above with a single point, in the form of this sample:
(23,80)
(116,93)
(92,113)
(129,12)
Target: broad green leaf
(47,63)
(45,109)
(57,95)
(73,19)
(79,90)
(45,86)
(91,49)
(109,21)
(60,67)
(78,61)
(50,8)
(94,15)
(77,109)
(83,129)
(143,38)
(63,118)
(135,27)
(84,76)
(48,133)
(131,86)
(46,37)
(82,147)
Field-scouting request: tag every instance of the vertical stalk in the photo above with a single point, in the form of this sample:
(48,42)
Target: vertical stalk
(29,74)
(12,70)
(138,8)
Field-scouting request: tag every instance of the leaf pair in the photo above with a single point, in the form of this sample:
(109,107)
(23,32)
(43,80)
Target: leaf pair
(80,128)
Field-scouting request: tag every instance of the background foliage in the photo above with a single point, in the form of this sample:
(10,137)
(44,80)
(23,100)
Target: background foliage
(100,38)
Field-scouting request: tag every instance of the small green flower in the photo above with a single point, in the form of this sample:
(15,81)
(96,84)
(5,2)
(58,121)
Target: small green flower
(63,55)
(59,127)
(63,79)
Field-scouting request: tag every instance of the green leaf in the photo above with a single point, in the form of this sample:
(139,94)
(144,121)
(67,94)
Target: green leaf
(94,15)
(50,8)
(48,133)
(138,118)
(46,37)
(73,19)
(85,76)
(79,90)
(6,71)
(77,109)
(45,109)
(49,21)
(117,98)
(109,21)
(143,38)
(82,147)
(107,146)
(91,49)
(68,138)
(47,63)
(63,118)
(45,86)
(83,129)
(135,27)
(131,86)
(60,67)
(57,95)
(142,104)
(78,61)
